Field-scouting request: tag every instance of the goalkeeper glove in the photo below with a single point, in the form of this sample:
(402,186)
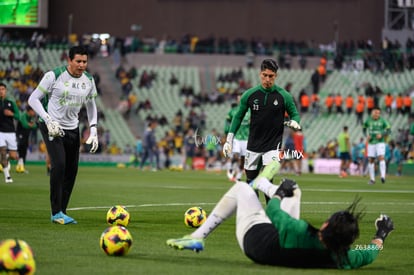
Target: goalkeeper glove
(384,226)
(227,147)
(293,125)
(93,139)
(286,188)
(53,127)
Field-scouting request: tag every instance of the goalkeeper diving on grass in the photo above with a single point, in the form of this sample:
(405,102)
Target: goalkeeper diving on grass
(67,88)
(268,104)
(276,236)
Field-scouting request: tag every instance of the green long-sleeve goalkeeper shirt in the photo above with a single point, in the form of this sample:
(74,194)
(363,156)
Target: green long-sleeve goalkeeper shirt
(267,114)
(296,238)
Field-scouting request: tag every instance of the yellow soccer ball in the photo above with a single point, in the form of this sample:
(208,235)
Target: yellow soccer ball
(195,216)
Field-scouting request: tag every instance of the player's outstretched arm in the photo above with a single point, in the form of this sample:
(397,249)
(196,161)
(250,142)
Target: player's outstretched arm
(384,225)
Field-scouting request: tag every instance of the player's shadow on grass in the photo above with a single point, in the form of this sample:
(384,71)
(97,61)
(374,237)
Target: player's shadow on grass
(211,262)
(181,259)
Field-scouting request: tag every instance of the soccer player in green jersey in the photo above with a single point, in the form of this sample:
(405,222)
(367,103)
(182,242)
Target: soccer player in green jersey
(376,129)
(276,236)
(8,143)
(344,152)
(268,104)
(239,143)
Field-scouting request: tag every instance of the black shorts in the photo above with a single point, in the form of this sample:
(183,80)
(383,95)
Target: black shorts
(261,244)
(344,156)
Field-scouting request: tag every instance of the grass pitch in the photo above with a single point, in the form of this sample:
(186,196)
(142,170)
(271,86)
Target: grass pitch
(157,202)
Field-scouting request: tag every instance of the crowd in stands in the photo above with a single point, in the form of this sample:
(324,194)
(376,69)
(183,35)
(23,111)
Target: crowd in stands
(358,104)
(376,58)
(236,83)
(388,54)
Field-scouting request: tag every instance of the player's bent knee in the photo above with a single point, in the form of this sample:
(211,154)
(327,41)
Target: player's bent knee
(297,193)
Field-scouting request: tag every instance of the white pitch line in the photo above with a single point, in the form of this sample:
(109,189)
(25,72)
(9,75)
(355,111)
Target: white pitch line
(365,211)
(304,189)
(143,205)
(211,203)
(362,202)
(214,203)
(358,190)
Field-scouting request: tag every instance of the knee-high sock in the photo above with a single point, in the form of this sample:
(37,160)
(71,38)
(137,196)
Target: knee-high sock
(264,185)
(239,197)
(223,209)
(371,171)
(6,170)
(292,205)
(383,168)
(289,205)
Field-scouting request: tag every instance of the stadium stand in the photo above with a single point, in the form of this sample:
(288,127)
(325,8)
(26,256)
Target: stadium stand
(204,79)
(319,129)
(51,57)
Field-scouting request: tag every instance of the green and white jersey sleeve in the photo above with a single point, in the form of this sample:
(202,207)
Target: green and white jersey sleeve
(67,94)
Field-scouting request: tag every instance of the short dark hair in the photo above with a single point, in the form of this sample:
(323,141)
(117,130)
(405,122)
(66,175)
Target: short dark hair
(3,85)
(269,64)
(77,50)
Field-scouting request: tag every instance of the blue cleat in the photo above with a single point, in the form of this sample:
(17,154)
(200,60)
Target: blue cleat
(187,242)
(61,218)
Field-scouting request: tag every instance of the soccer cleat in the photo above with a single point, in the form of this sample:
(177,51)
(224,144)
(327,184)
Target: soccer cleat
(1,168)
(371,182)
(61,218)
(9,180)
(187,242)
(20,168)
(343,174)
(382,180)
(230,175)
